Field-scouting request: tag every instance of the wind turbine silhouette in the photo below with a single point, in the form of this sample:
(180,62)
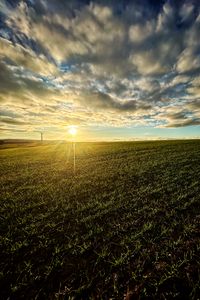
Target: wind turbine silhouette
(41,136)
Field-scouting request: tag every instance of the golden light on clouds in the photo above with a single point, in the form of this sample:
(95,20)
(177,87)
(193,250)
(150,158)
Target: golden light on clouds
(105,67)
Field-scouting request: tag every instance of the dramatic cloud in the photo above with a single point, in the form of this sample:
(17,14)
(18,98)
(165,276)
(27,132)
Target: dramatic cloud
(98,63)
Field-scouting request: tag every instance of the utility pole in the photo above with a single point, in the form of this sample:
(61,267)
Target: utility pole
(74,156)
(41,136)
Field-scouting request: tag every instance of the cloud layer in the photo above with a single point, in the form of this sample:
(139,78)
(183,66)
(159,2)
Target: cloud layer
(124,63)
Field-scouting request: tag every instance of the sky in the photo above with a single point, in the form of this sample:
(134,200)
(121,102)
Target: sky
(116,70)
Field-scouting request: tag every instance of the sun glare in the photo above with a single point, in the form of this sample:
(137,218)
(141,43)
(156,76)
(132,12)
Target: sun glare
(72,130)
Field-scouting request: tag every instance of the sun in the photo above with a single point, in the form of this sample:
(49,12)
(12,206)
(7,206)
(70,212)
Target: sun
(72,130)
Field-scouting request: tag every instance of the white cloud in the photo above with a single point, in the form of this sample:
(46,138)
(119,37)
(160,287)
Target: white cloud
(24,57)
(188,61)
(186,11)
(180,79)
(139,32)
(147,63)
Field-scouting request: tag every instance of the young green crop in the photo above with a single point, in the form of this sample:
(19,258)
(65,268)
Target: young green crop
(126,224)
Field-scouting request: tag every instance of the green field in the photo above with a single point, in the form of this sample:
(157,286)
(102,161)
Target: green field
(125,225)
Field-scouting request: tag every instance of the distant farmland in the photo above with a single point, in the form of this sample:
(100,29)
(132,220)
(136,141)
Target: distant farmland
(125,226)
